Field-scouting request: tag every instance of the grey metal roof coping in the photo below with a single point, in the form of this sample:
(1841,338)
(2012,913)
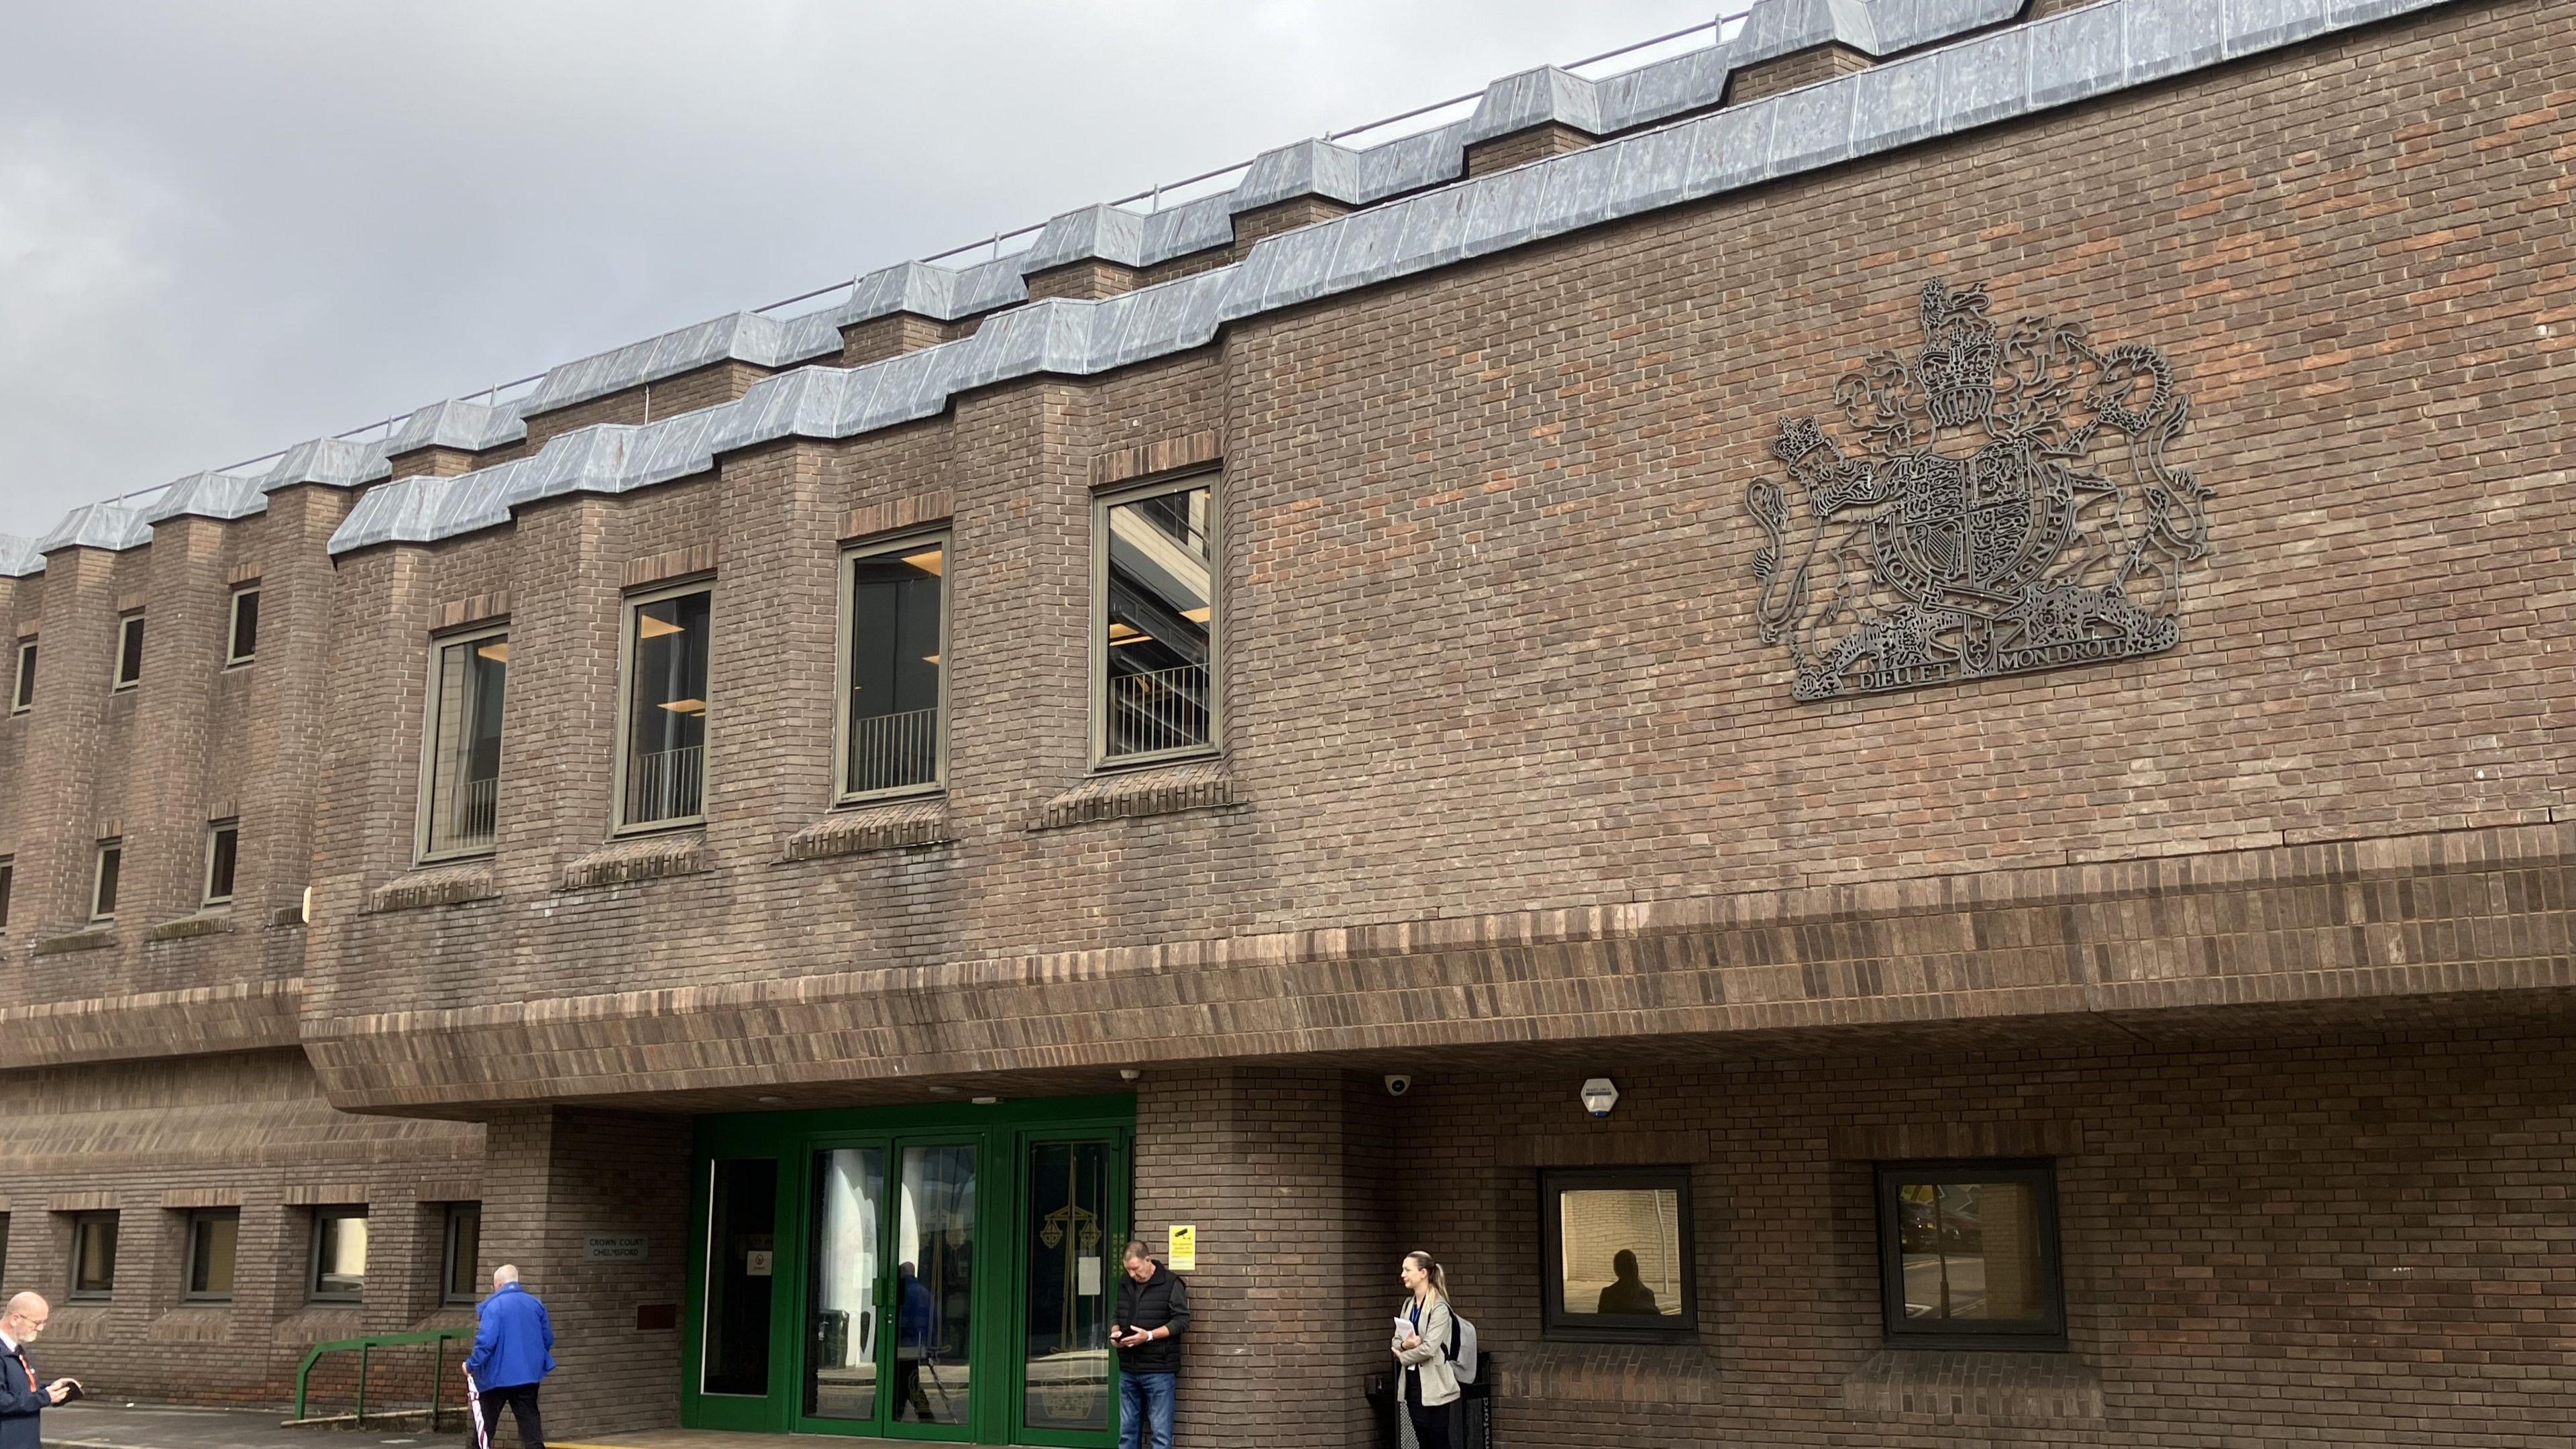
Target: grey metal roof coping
(332,462)
(111,526)
(19,557)
(1992,77)
(457,423)
(206,495)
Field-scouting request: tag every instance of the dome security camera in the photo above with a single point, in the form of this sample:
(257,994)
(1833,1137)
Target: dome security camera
(1398,1084)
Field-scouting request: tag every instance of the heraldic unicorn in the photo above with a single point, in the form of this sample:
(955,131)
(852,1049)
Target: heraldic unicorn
(2005,506)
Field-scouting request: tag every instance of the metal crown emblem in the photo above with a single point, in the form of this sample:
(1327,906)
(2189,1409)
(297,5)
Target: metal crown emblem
(2006,507)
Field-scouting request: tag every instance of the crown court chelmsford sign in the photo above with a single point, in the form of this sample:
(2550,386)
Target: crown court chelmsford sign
(2003,505)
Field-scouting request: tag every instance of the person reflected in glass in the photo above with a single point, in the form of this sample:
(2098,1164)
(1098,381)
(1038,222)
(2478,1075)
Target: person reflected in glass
(914,1311)
(1629,1295)
(1427,1387)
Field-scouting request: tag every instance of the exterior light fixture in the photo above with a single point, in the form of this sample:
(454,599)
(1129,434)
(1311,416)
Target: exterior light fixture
(1600,1094)
(772,1101)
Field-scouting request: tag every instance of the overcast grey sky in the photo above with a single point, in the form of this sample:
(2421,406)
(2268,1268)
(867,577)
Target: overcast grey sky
(228,227)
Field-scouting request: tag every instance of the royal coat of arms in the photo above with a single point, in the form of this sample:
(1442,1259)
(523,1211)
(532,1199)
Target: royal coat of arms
(2004,505)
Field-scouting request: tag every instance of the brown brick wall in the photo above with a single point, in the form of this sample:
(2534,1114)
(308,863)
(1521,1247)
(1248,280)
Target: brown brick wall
(1788,72)
(1088,281)
(1523,147)
(689,391)
(879,338)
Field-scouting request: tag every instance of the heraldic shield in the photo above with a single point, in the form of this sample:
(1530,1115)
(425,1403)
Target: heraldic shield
(2004,505)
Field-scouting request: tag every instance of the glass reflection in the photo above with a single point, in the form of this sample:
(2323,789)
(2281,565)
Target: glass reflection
(1971,1251)
(1162,598)
(934,1279)
(841,1368)
(742,1245)
(1621,1252)
(1071,1273)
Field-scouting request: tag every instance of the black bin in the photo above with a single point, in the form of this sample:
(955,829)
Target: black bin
(1475,1408)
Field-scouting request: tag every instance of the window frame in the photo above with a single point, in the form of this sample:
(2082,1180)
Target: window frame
(421,852)
(233,659)
(82,1223)
(1904,1333)
(910,541)
(128,622)
(215,830)
(1558,1325)
(8,888)
(1097,687)
(22,685)
(188,1257)
(333,1212)
(98,879)
(628,605)
(447,1295)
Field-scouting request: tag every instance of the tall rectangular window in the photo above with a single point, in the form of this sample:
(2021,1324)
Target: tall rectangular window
(662,777)
(460,794)
(1155,622)
(111,864)
(129,650)
(459,1283)
(22,694)
(213,1236)
(1968,1255)
(339,1254)
(895,645)
(1617,1253)
(223,852)
(8,881)
(93,1255)
(244,645)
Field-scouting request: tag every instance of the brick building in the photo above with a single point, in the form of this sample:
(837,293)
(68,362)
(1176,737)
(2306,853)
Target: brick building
(1968,608)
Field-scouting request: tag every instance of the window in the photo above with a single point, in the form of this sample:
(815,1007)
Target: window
(1618,1254)
(8,879)
(129,650)
(1968,1255)
(93,1255)
(111,863)
(339,1254)
(22,695)
(892,664)
(459,1282)
(213,1234)
(460,793)
(1155,623)
(662,780)
(245,631)
(223,852)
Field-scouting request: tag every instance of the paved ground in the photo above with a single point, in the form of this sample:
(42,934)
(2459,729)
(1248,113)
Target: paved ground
(88,1425)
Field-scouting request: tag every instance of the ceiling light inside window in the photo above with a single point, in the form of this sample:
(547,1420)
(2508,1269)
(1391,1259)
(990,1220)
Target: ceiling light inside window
(685,706)
(498,651)
(649,627)
(929,561)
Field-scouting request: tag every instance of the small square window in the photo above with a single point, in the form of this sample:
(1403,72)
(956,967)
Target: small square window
(339,1254)
(661,778)
(8,880)
(893,666)
(22,694)
(245,630)
(93,1256)
(213,1236)
(129,650)
(1156,623)
(111,864)
(1618,1264)
(1968,1255)
(223,852)
(459,1281)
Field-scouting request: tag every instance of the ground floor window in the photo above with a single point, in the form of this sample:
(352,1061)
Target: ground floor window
(1618,1254)
(459,1280)
(339,1255)
(1968,1255)
(940,1272)
(93,1255)
(213,1236)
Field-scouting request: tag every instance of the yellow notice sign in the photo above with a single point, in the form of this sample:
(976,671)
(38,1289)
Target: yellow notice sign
(1184,1254)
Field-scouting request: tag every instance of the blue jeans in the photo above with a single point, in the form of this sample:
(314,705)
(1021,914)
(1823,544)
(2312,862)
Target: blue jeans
(1146,1399)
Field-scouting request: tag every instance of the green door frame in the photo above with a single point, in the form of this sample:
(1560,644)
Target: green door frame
(1001,1134)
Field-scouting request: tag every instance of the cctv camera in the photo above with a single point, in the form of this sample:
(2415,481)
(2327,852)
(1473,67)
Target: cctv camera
(1398,1084)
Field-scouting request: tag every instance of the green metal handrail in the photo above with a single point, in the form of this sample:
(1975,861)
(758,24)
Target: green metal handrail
(365,1348)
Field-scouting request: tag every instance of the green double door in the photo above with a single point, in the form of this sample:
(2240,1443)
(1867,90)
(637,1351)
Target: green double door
(938,1273)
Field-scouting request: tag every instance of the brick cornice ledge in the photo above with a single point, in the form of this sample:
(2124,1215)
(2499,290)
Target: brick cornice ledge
(244,1016)
(2482,910)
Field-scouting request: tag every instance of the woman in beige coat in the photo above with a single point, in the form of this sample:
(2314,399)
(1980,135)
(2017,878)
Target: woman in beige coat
(1427,1387)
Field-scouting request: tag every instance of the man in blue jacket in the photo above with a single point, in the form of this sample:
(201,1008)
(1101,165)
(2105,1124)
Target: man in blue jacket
(22,1397)
(513,1352)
